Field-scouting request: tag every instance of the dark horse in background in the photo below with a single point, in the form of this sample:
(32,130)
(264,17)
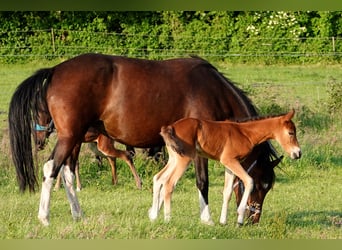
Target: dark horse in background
(124,99)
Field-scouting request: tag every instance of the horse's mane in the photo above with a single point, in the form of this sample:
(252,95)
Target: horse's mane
(267,149)
(239,93)
(258,118)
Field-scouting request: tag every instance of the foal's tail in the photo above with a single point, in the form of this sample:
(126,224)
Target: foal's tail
(171,139)
(28,99)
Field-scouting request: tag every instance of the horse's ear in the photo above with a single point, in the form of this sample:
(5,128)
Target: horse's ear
(290,115)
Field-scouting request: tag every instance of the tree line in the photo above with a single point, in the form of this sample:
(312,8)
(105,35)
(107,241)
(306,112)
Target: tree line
(243,36)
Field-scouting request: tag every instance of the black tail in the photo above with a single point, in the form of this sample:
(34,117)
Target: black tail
(170,139)
(25,104)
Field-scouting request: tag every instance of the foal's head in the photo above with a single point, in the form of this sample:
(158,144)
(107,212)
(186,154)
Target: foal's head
(286,135)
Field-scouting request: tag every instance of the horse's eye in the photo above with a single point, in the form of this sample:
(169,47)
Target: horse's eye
(291,133)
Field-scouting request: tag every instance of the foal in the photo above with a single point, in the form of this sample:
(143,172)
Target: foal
(226,141)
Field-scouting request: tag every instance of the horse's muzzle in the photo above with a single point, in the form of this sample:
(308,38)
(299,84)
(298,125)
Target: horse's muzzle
(296,153)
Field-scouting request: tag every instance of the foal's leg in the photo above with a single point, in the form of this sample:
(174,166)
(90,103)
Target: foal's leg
(158,192)
(177,170)
(112,163)
(227,193)
(240,172)
(106,146)
(58,182)
(77,175)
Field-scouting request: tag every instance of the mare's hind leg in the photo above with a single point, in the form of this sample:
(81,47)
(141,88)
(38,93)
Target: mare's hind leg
(106,146)
(68,176)
(202,182)
(44,205)
(62,150)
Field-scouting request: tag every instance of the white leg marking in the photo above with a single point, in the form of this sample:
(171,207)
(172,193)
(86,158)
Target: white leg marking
(243,204)
(227,193)
(68,181)
(44,205)
(204,211)
(156,200)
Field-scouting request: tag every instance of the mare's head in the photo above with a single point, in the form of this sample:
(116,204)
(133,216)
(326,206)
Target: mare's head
(286,136)
(43,127)
(260,166)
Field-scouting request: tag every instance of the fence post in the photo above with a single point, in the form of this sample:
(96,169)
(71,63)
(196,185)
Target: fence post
(53,40)
(333,43)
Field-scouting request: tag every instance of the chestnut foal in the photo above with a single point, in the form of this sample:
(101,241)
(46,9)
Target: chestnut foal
(228,142)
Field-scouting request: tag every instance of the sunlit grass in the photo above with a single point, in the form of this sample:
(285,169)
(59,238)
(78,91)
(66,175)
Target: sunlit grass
(305,202)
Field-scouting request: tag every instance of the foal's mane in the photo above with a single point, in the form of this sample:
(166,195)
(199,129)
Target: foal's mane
(257,118)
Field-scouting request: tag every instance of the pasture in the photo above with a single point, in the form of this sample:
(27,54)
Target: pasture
(305,202)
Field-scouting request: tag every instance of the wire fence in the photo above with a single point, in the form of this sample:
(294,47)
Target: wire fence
(54,43)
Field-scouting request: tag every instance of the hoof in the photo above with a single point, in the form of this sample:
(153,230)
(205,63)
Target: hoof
(208,222)
(152,216)
(44,221)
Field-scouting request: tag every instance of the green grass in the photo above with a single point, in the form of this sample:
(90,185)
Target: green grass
(305,202)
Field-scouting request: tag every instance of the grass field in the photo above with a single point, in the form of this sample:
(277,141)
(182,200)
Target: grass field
(305,203)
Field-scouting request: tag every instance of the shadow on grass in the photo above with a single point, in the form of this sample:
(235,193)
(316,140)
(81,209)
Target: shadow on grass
(312,218)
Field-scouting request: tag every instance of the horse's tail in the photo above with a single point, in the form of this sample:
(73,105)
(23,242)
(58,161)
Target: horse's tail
(28,99)
(171,140)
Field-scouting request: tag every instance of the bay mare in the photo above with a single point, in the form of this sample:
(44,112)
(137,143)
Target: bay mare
(125,99)
(225,141)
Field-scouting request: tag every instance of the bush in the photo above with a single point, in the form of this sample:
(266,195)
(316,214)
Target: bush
(257,36)
(335,96)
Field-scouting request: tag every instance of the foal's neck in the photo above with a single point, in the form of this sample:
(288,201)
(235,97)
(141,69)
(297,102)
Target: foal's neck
(259,131)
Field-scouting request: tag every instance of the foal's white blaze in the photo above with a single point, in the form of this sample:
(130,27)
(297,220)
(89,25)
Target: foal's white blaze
(44,205)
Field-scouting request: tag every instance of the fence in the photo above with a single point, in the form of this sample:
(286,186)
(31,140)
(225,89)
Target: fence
(52,43)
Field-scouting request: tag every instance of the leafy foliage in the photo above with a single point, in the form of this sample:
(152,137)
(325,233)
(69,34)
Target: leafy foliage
(260,36)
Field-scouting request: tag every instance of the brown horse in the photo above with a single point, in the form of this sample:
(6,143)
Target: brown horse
(227,142)
(103,146)
(124,99)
